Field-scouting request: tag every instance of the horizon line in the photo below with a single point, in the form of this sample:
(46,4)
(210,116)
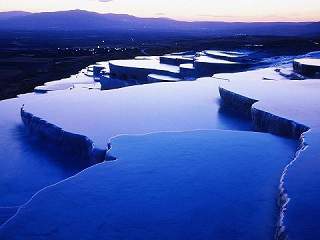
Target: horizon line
(169,18)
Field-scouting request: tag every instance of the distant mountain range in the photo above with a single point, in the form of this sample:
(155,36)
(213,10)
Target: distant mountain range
(14,14)
(78,20)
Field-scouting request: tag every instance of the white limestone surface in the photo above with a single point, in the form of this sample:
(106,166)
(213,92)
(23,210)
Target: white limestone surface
(145,64)
(265,74)
(101,115)
(193,185)
(298,101)
(80,78)
(162,78)
(26,164)
(290,108)
(206,59)
(231,55)
(309,61)
(175,59)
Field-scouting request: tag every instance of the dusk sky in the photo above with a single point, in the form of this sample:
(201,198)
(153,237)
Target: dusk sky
(224,10)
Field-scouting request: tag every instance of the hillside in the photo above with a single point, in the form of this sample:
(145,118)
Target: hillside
(79,20)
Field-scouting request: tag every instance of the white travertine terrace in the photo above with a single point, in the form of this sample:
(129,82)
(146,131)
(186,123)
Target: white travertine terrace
(289,108)
(79,78)
(175,59)
(158,170)
(230,55)
(206,59)
(307,66)
(309,61)
(180,65)
(145,64)
(169,107)
(162,78)
(207,66)
(140,69)
(147,58)
(178,185)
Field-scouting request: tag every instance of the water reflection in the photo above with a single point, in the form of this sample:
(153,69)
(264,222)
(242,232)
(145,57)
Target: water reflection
(29,164)
(230,117)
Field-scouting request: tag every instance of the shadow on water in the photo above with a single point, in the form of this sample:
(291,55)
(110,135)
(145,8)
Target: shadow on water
(55,156)
(29,165)
(233,119)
